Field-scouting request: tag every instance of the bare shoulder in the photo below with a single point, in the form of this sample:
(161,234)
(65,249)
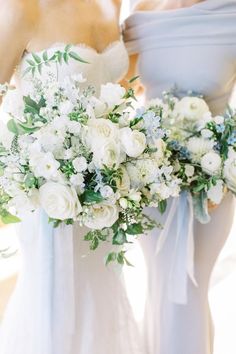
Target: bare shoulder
(146,5)
(19,13)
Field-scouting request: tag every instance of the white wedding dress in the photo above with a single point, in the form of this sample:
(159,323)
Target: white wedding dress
(66,301)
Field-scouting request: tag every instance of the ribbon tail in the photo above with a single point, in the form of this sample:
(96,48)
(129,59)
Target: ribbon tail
(165,232)
(190,244)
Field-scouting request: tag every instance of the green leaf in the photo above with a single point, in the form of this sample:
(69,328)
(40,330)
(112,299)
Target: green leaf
(75,56)
(8,218)
(135,229)
(111,257)
(26,71)
(30,62)
(66,57)
(133,79)
(68,47)
(162,205)
(36,58)
(45,56)
(12,126)
(119,238)
(200,205)
(89,236)
(91,197)
(94,244)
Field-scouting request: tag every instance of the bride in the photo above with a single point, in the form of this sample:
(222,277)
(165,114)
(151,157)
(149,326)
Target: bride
(66,301)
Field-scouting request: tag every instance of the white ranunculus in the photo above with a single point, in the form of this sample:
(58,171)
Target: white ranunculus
(216,193)
(99,132)
(199,146)
(108,155)
(230,171)
(218,120)
(106,192)
(191,108)
(59,201)
(132,141)
(123,184)
(211,163)
(206,133)
(102,215)
(44,165)
(112,94)
(80,164)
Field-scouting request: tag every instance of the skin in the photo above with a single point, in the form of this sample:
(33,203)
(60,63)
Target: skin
(40,23)
(163,5)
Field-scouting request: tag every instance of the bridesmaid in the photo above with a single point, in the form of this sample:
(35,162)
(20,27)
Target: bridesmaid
(191,44)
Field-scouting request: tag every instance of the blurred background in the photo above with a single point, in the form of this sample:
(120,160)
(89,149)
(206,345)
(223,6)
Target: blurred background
(222,294)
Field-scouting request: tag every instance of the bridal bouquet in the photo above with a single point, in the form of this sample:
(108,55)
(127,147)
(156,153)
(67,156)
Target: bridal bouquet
(96,161)
(203,148)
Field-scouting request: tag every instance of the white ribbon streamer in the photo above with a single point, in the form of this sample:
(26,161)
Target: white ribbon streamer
(182,267)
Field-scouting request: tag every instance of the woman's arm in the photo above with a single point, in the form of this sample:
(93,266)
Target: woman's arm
(17,21)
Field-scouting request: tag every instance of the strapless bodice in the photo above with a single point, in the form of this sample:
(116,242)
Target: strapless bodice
(191,48)
(110,65)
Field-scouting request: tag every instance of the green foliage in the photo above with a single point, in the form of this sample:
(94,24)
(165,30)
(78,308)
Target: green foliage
(37,61)
(91,197)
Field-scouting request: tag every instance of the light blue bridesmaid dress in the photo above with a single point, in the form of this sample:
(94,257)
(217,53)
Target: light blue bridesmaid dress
(193,48)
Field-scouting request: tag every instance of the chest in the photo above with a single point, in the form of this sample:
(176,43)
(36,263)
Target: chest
(204,69)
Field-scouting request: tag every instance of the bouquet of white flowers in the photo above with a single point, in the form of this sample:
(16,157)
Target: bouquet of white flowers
(203,148)
(92,160)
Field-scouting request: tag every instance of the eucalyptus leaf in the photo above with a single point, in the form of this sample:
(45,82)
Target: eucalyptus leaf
(75,56)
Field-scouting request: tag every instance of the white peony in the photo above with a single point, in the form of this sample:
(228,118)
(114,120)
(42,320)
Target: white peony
(24,203)
(102,215)
(112,94)
(211,163)
(216,193)
(230,171)
(133,142)
(142,172)
(191,108)
(108,155)
(59,201)
(44,165)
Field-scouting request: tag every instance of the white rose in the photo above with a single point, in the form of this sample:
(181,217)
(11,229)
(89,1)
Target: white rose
(191,108)
(59,201)
(216,193)
(211,163)
(102,215)
(112,94)
(80,164)
(100,131)
(230,171)
(132,141)
(107,155)
(44,165)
